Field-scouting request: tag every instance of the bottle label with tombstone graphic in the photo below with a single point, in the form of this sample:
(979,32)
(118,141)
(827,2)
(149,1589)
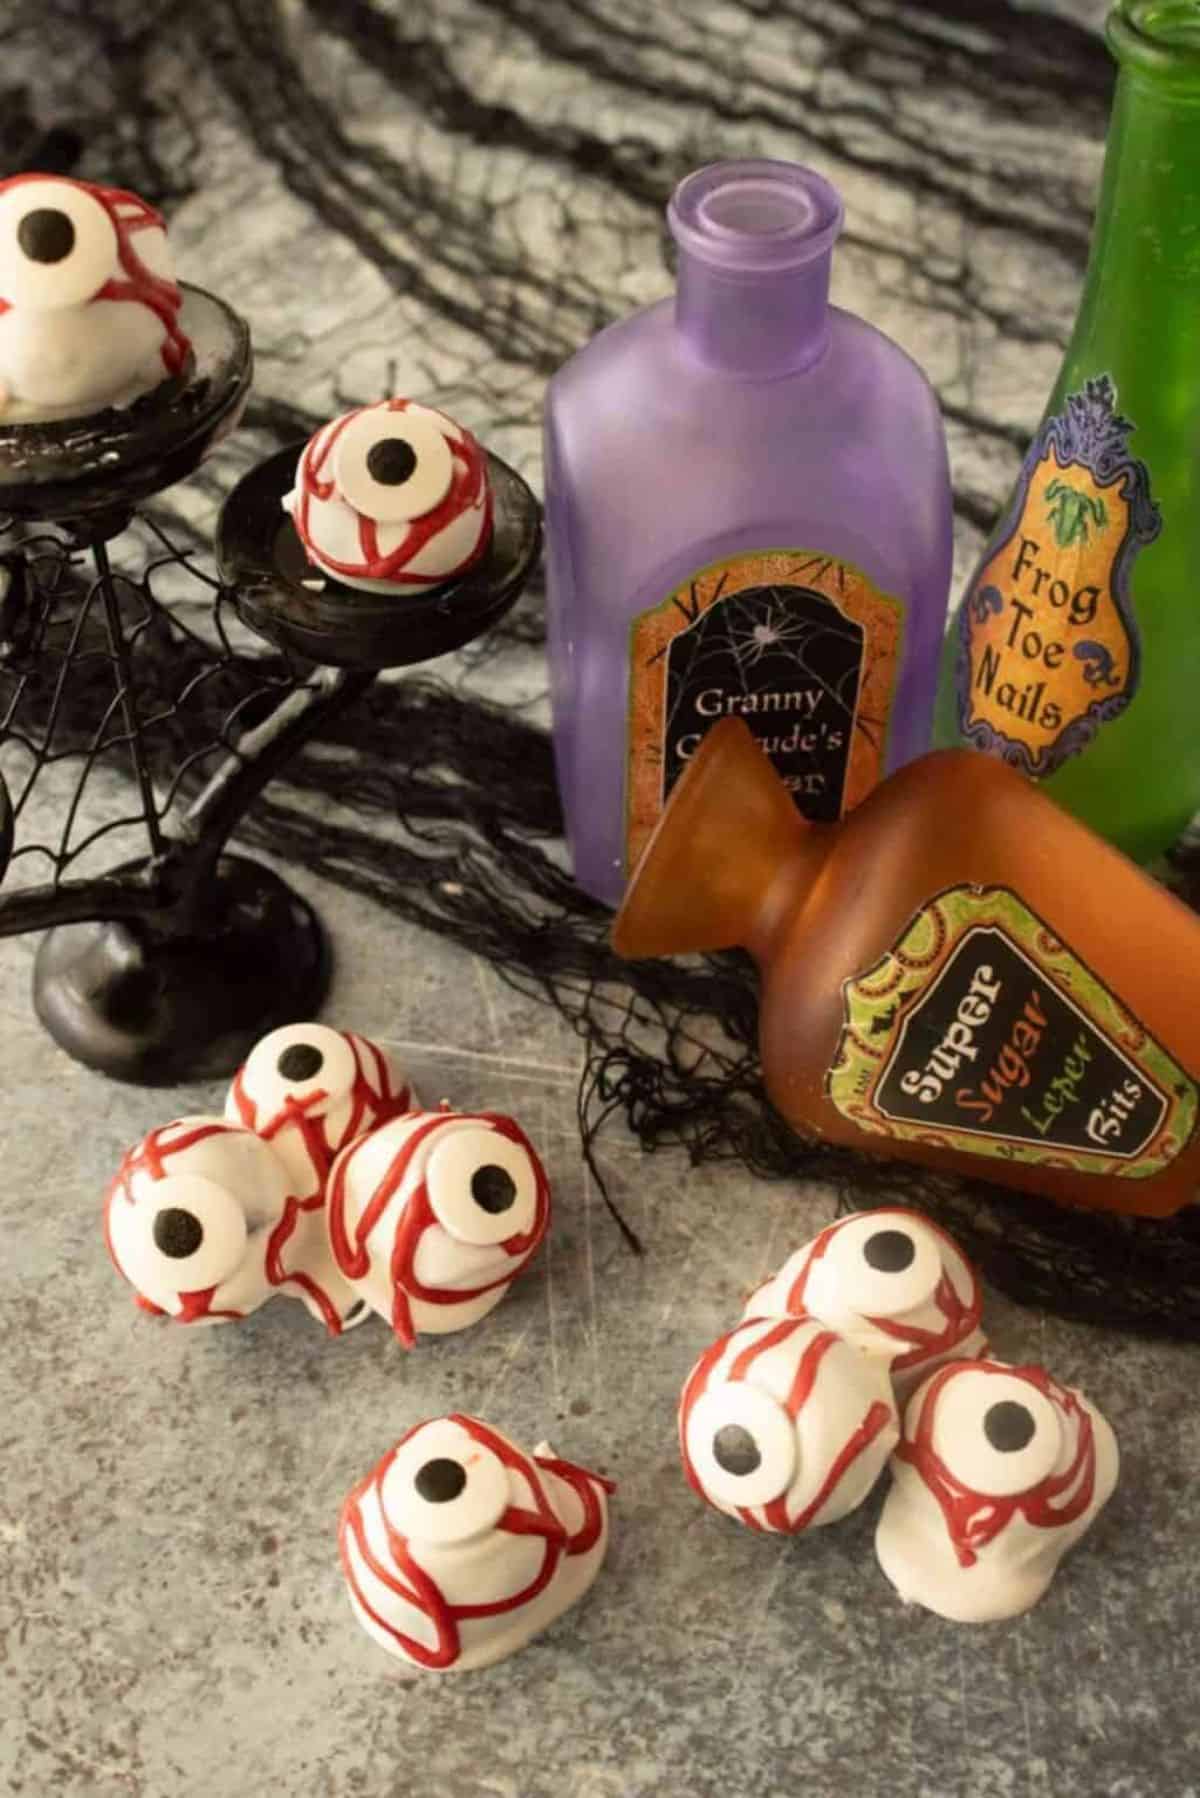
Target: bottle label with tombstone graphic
(981,1032)
(1048,644)
(800,645)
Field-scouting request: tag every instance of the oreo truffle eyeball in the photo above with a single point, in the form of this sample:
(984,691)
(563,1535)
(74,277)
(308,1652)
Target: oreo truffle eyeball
(458,1547)
(784,1426)
(392,498)
(89,305)
(998,1472)
(193,1220)
(433,1215)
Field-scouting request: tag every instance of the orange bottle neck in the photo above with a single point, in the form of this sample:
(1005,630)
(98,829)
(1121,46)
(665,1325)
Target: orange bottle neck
(786,889)
(730,861)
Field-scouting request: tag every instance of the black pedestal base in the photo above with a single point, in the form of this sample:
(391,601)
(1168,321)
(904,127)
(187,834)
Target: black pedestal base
(155,1012)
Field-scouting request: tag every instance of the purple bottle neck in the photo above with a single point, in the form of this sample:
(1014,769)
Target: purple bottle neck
(755,245)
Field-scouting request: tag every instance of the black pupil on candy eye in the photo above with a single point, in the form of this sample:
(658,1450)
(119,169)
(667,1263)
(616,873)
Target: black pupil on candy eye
(439,1481)
(300,1061)
(46,235)
(177,1233)
(493,1188)
(1008,1426)
(889,1251)
(391,461)
(735,1450)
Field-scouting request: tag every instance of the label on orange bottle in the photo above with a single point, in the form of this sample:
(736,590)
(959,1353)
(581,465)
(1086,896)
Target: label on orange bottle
(982,1032)
(801,645)
(1048,645)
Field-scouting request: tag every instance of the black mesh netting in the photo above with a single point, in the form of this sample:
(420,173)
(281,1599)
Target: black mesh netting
(442,809)
(671,1045)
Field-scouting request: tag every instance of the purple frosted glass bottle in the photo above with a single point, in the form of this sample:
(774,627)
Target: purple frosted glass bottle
(748,513)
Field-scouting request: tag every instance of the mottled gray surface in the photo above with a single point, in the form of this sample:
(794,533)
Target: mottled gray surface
(172,1618)
(459,194)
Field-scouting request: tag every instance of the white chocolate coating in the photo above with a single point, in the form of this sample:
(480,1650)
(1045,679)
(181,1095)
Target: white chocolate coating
(194,1220)
(88,299)
(456,1517)
(999,1471)
(889,1281)
(433,1215)
(308,1090)
(784,1426)
(392,498)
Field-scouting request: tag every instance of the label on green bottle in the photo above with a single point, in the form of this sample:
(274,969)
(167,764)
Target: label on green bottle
(982,1032)
(801,645)
(1048,646)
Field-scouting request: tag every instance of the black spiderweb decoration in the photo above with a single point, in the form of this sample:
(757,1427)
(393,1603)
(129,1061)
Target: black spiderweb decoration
(109,673)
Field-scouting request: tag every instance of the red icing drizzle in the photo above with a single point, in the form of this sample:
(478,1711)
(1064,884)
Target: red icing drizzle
(353,1255)
(129,215)
(584,1484)
(412,1583)
(961,1316)
(198,1305)
(774,1516)
(468,483)
(974,1519)
(370,1105)
(278,1240)
(151,1156)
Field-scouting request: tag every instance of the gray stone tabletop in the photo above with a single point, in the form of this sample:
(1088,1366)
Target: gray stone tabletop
(447,198)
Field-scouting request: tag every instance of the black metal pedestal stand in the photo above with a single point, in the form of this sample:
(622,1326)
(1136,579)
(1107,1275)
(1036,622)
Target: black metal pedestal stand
(169,965)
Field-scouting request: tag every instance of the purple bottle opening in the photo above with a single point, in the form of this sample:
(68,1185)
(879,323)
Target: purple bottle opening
(755,217)
(755,245)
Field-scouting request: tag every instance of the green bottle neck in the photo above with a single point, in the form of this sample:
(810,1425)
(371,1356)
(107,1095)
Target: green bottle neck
(1136,318)
(1157,42)
(1148,216)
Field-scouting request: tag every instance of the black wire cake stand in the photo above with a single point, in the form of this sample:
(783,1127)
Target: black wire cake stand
(166,954)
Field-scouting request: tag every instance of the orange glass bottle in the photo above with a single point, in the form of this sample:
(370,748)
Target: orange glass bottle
(959,973)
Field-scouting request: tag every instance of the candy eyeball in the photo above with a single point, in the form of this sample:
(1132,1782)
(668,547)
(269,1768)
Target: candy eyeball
(881,1266)
(784,1426)
(485,1187)
(393,498)
(445,1486)
(58,243)
(741,1444)
(394,466)
(89,306)
(995,1433)
(889,1281)
(433,1215)
(998,1472)
(190,1218)
(308,1090)
(458,1547)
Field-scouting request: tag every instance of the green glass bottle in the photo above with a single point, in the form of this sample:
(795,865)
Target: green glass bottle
(1076,651)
